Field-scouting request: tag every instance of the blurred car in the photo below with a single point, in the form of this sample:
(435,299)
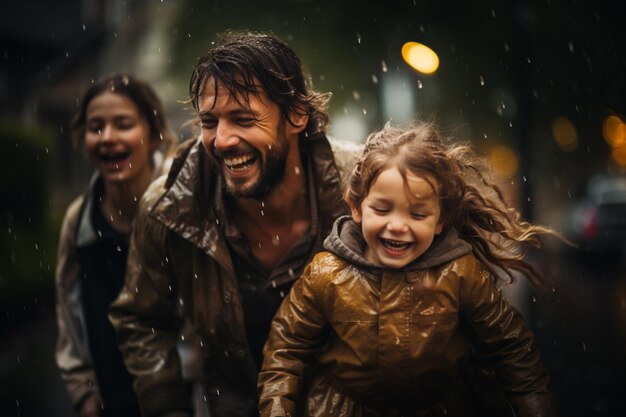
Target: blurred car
(598,221)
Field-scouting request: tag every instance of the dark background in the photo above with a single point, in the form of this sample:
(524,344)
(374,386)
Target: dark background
(508,70)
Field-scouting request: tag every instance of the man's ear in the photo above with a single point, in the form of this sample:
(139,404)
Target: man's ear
(356,214)
(439,228)
(297,123)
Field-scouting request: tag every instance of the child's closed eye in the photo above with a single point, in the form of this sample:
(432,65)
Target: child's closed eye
(380,210)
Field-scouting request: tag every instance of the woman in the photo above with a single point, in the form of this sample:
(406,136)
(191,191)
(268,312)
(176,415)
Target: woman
(122,127)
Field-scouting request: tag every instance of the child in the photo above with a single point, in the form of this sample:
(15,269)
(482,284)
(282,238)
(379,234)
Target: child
(121,125)
(388,313)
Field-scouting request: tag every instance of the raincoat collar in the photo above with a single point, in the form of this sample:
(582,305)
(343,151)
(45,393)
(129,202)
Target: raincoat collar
(187,207)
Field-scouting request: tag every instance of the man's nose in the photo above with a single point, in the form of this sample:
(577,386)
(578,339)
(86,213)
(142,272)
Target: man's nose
(225,138)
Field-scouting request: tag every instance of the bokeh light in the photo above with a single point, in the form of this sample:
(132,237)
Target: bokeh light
(564,134)
(503,160)
(420,57)
(614,131)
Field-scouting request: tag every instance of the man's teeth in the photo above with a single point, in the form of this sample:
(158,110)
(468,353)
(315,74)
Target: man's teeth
(395,244)
(239,162)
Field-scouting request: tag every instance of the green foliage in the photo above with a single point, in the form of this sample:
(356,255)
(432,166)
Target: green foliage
(27,237)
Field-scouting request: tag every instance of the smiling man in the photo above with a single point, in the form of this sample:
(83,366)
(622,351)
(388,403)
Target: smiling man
(222,238)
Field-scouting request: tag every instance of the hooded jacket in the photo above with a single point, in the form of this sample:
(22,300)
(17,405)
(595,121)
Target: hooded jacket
(180,265)
(384,342)
(89,274)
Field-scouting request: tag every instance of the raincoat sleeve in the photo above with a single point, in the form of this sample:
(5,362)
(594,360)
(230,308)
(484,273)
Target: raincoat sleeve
(71,353)
(502,336)
(145,319)
(296,335)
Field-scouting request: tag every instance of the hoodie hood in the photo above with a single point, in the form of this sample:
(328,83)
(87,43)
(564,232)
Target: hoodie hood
(346,241)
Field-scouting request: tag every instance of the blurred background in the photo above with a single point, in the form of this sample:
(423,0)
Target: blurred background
(538,86)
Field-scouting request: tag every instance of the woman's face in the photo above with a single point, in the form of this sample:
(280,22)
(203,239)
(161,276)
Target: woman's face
(117,138)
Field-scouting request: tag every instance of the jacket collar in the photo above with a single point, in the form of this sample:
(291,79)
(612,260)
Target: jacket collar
(347,242)
(188,209)
(86,234)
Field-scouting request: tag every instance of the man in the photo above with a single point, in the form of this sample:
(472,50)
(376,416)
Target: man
(222,239)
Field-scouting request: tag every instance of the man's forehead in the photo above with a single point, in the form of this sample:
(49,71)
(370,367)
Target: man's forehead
(215,92)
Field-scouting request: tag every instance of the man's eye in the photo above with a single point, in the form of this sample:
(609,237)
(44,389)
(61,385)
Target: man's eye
(245,121)
(208,124)
(380,210)
(418,215)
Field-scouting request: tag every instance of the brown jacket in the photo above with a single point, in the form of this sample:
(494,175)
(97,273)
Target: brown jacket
(395,342)
(179,265)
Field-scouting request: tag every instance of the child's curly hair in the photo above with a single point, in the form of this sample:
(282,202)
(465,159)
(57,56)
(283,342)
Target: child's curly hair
(470,201)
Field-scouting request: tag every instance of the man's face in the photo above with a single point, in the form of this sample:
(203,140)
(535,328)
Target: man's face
(247,139)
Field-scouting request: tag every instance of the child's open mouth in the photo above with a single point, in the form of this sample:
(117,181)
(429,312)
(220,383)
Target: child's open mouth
(395,245)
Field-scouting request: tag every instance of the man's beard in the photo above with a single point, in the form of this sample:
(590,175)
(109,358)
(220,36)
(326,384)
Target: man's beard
(271,171)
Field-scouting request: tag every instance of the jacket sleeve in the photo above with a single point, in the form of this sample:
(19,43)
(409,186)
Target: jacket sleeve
(146,322)
(502,336)
(71,353)
(296,334)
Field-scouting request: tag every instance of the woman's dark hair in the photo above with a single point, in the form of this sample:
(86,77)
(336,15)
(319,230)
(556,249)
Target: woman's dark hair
(255,63)
(470,201)
(139,92)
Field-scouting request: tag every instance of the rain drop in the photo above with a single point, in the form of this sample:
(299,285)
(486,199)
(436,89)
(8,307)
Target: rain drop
(364,110)
(571,47)
(374,79)
(359,38)
(297,170)
(383,66)
(419,84)
(482,81)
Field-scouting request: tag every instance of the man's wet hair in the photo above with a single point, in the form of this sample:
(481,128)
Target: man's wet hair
(247,63)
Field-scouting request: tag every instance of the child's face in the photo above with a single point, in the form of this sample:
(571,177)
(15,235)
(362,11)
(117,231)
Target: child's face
(399,220)
(117,138)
